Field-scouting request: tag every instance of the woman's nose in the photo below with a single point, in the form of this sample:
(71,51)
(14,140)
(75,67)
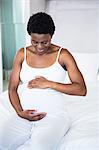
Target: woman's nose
(40,45)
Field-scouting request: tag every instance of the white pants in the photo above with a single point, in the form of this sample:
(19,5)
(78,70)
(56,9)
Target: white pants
(46,134)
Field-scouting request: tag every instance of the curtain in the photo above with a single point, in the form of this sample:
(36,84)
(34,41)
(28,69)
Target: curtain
(12,29)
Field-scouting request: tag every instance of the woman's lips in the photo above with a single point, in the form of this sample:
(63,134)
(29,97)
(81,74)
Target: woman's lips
(40,50)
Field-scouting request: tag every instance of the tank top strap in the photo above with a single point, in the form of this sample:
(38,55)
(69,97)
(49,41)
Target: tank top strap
(25,53)
(58,54)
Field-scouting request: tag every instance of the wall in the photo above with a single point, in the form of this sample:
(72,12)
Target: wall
(35,6)
(77,24)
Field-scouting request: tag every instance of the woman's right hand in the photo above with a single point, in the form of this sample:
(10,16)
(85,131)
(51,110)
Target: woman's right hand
(32,115)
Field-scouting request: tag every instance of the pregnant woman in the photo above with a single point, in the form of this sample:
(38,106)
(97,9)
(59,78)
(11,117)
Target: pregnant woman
(40,120)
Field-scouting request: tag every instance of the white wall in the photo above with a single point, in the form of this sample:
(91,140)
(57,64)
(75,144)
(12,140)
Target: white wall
(77,24)
(34,6)
(37,5)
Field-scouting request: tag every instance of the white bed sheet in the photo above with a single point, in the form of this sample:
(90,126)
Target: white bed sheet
(84,115)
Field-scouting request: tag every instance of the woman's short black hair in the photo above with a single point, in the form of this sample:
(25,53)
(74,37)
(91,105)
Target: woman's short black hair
(41,23)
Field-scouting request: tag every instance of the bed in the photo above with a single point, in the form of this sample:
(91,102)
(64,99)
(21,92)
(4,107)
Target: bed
(83,133)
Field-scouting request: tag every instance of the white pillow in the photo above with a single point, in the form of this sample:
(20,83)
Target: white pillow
(88,64)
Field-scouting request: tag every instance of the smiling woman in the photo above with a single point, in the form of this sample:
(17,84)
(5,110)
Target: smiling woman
(40,107)
(41,42)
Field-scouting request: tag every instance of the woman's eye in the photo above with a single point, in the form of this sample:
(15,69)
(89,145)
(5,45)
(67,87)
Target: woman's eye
(44,42)
(35,42)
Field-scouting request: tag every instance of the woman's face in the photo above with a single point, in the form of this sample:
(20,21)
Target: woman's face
(41,42)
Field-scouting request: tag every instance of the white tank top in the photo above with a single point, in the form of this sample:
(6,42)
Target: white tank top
(48,100)
(55,72)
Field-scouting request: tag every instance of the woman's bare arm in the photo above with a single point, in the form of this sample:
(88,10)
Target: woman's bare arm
(14,82)
(77,85)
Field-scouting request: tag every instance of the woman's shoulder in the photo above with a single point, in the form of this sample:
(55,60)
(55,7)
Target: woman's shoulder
(66,53)
(62,50)
(20,55)
(66,56)
(20,51)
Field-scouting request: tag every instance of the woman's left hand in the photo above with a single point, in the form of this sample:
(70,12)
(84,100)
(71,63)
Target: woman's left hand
(39,82)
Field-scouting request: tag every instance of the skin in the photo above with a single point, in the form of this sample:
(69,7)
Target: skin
(43,54)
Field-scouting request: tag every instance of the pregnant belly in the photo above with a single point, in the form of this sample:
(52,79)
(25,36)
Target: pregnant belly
(46,100)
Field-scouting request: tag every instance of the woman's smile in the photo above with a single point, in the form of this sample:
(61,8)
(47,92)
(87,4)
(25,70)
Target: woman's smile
(40,50)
